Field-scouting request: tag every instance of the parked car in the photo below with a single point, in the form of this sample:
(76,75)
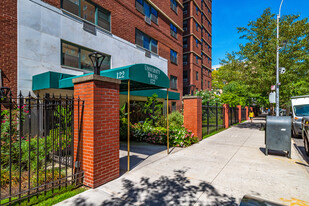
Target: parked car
(300,109)
(305,134)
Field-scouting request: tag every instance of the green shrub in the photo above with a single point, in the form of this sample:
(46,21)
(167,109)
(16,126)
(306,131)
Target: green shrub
(175,119)
(179,136)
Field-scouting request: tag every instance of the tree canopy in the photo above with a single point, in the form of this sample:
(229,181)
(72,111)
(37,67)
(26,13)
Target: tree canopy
(247,75)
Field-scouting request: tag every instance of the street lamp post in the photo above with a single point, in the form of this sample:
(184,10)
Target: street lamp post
(277,70)
(97,60)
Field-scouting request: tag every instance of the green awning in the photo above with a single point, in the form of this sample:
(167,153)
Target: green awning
(159,92)
(142,77)
(48,80)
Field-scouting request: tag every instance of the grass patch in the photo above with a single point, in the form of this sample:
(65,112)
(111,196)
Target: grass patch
(62,196)
(50,198)
(213,133)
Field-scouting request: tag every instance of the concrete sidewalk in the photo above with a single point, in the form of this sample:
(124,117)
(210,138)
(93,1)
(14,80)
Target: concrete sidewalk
(219,170)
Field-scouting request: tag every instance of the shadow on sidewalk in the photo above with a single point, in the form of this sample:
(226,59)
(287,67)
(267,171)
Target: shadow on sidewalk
(140,151)
(175,190)
(249,125)
(273,152)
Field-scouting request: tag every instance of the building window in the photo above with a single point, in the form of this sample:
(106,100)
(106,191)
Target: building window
(185,8)
(196,74)
(208,60)
(173,82)
(208,72)
(173,56)
(196,59)
(174,5)
(185,42)
(185,25)
(185,75)
(145,41)
(196,26)
(196,42)
(185,59)
(148,10)
(208,84)
(173,31)
(173,106)
(76,56)
(196,9)
(88,11)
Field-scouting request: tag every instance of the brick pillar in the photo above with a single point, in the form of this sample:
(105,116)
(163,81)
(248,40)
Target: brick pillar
(192,115)
(247,112)
(226,115)
(239,113)
(99,137)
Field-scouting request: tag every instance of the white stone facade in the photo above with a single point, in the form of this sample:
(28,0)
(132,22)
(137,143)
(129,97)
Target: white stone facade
(41,27)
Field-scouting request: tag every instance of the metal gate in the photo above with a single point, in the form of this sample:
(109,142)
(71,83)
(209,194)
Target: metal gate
(243,114)
(212,118)
(37,146)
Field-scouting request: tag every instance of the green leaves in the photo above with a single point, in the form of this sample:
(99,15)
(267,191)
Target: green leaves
(252,70)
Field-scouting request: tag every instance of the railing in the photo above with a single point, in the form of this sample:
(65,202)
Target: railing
(243,114)
(37,146)
(233,115)
(212,118)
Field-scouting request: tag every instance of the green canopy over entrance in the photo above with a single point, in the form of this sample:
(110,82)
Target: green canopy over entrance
(142,77)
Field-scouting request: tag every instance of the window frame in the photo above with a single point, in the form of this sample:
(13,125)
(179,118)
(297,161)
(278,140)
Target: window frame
(151,41)
(196,75)
(97,9)
(153,16)
(173,30)
(79,56)
(173,56)
(173,82)
(196,59)
(174,6)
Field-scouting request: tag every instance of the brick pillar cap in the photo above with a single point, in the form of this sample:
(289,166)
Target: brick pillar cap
(95,77)
(191,97)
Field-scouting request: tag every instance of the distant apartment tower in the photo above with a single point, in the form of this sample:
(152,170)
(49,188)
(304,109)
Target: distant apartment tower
(58,35)
(197,45)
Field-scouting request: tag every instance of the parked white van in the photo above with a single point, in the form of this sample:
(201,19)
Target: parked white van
(300,109)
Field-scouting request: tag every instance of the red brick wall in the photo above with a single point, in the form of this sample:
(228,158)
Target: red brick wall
(99,143)
(193,17)
(55,3)
(226,115)
(8,44)
(192,115)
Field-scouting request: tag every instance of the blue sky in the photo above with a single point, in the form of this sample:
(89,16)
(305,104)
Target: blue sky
(227,15)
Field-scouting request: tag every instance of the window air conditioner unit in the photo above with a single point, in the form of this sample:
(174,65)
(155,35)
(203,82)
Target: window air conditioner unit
(147,20)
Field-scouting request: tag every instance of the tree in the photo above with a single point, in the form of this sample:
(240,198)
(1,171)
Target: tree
(254,66)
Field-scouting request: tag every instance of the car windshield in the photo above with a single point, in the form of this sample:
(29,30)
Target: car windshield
(301,110)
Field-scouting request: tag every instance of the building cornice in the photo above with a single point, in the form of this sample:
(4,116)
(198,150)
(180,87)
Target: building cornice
(203,65)
(164,14)
(180,4)
(191,34)
(194,20)
(207,54)
(193,53)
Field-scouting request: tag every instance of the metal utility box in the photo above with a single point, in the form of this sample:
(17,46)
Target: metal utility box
(278,134)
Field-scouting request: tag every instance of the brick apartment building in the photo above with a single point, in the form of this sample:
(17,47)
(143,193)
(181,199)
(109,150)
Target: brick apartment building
(57,36)
(197,45)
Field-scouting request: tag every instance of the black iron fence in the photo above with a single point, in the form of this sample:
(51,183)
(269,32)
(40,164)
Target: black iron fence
(243,114)
(212,118)
(37,146)
(233,115)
